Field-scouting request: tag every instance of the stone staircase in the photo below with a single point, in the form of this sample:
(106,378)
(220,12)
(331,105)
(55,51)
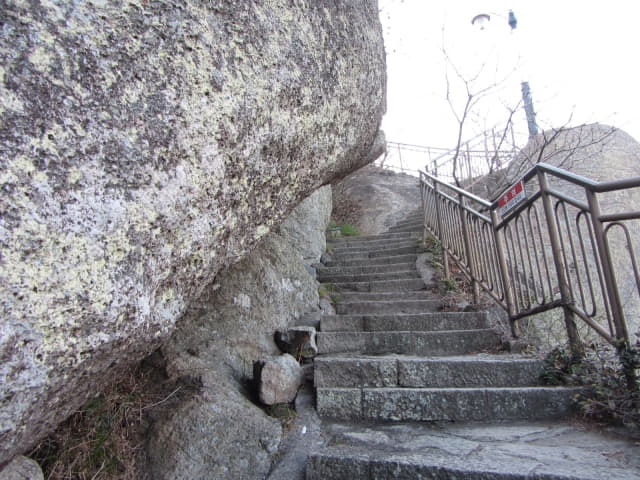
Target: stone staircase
(390,355)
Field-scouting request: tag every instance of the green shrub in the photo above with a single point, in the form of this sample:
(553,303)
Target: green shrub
(348,230)
(610,398)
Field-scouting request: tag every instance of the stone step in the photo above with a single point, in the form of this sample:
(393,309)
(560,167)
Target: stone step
(423,322)
(395,307)
(445,404)
(345,241)
(388,260)
(369,277)
(406,223)
(357,249)
(409,222)
(380,286)
(427,294)
(366,254)
(436,343)
(473,452)
(469,371)
(417,228)
(358,269)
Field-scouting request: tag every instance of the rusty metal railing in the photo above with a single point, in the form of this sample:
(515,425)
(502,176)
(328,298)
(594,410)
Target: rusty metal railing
(569,243)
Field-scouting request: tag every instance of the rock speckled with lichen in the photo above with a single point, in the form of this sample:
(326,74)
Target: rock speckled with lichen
(144,146)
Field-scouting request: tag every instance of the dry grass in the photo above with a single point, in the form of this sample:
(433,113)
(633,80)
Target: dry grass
(103,440)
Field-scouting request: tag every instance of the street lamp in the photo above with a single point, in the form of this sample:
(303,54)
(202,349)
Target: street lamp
(482,20)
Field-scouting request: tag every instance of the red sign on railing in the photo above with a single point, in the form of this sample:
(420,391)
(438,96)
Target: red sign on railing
(511,198)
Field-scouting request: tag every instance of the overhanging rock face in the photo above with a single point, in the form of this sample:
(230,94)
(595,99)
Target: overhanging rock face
(144,146)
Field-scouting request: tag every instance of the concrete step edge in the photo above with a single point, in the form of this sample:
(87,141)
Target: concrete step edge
(372,261)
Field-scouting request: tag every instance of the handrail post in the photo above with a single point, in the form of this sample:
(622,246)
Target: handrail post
(467,251)
(612,293)
(504,275)
(565,292)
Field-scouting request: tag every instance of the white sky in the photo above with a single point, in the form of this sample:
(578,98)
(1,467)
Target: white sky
(580,58)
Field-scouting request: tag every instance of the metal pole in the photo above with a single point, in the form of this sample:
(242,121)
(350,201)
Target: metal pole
(577,349)
(528,109)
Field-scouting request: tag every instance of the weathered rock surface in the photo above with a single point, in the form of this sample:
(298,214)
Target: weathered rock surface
(279,380)
(215,345)
(21,468)
(216,434)
(374,199)
(145,147)
(307,238)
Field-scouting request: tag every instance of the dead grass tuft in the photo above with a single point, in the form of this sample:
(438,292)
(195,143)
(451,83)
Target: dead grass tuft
(104,439)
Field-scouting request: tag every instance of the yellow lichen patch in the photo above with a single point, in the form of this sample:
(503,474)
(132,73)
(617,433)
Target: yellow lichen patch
(117,246)
(261,231)
(74,175)
(41,59)
(8,99)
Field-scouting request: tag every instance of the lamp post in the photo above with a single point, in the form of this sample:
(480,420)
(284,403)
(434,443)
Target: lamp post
(482,20)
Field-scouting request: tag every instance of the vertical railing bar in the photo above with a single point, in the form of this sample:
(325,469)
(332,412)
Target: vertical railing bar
(632,255)
(517,252)
(538,248)
(495,261)
(601,280)
(545,259)
(445,259)
(467,249)
(526,226)
(585,260)
(522,277)
(508,232)
(574,258)
(506,284)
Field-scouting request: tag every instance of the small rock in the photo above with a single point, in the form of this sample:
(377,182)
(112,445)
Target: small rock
(21,468)
(297,341)
(278,379)
(326,258)
(326,307)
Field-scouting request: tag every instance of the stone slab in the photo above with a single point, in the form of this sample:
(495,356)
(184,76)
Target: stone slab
(411,257)
(339,403)
(381,286)
(435,321)
(388,307)
(356,372)
(468,404)
(475,451)
(469,371)
(410,343)
(369,277)
(358,269)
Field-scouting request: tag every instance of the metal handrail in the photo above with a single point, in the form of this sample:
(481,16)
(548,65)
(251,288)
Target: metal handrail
(553,250)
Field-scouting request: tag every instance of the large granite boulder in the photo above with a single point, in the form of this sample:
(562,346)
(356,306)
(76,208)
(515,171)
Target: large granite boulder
(144,147)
